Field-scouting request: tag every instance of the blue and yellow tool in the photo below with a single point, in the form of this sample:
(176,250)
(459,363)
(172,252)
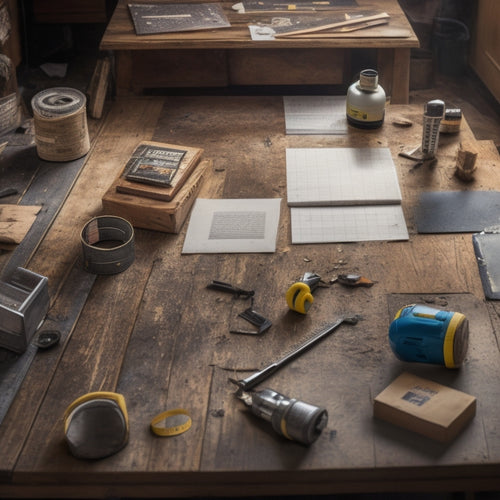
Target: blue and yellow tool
(423,334)
(299,296)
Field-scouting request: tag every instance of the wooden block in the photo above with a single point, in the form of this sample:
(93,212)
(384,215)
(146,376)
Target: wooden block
(15,222)
(157,215)
(98,87)
(164,193)
(466,161)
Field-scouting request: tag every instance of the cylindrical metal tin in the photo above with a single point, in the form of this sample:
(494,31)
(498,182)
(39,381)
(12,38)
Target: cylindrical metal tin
(60,119)
(108,245)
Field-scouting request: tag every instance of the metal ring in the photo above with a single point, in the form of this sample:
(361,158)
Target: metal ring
(108,245)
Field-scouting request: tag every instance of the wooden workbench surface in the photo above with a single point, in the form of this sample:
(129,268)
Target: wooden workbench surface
(229,57)
(155,334)
(120,33)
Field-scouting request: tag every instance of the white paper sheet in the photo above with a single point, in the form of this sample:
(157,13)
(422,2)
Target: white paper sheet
(341,176)
(233,226)
(348,224)
(343,195)
(315,115)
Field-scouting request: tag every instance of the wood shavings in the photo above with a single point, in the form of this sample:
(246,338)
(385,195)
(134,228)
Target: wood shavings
(400,121)
(466,162)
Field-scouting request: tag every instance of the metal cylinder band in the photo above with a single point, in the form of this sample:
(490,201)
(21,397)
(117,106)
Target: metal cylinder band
(60,119)
(108,245)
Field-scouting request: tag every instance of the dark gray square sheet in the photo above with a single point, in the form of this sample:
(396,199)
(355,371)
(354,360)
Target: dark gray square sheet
(457,211)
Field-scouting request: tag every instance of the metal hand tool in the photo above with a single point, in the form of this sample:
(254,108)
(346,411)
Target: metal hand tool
(299,296)
(248,383)
(291,418)
(228,288)
(256,319)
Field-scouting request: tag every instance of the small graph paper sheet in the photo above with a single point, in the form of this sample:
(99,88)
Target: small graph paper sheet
(341,176)
(348,224)
(315,115)
(233,226)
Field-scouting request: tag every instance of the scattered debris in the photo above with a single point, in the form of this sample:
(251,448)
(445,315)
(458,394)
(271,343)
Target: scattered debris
(400,121)
(354,280)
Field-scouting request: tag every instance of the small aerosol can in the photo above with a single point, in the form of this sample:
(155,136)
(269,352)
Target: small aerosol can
(423,334)
(365,103)
(433,114)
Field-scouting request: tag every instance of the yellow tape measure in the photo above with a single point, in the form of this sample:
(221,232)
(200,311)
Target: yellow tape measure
(174,430)
(299,297)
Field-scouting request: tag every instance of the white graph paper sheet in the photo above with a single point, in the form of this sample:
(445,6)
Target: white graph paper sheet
(341,176)
(348,224)
(233,226)
(315,115)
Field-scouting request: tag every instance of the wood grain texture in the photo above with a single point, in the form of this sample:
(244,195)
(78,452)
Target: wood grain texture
(15,222)
(58,258)
(229,56)
(157,215)
(120,33)
(98,87)
(157,335)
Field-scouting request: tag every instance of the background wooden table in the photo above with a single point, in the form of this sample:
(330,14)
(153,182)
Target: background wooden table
(156,334)
(229,57)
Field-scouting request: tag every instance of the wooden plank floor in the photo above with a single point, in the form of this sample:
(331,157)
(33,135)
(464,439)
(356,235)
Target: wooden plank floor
(155,334)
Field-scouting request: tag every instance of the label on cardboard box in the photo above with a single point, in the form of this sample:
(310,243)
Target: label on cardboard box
(425,407)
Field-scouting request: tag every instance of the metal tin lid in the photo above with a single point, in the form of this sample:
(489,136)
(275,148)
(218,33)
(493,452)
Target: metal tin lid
(368,80)
(57,102)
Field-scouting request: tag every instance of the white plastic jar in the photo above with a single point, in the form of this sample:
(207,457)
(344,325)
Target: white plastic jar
(365,103)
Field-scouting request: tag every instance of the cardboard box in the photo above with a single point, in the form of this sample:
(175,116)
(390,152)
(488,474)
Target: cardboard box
(425,407)
(158,215)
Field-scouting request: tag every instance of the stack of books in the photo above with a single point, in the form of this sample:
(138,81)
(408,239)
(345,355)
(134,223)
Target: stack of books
(157,186)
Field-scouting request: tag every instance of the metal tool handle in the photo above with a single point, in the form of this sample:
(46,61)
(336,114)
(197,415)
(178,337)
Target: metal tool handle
(248,383)
(255,379)
(309,343)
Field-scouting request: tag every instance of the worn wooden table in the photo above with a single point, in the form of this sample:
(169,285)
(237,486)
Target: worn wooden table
(155,334)
(228,56)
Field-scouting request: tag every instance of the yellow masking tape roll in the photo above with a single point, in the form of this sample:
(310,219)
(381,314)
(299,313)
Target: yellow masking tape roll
(173,430)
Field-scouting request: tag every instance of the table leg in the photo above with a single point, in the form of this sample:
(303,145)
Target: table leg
(123,72)
(394,71)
